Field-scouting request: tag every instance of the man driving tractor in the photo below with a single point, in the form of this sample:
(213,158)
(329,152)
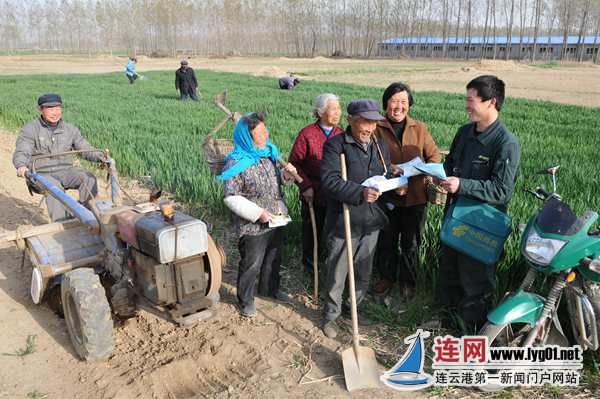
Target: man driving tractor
(50,135)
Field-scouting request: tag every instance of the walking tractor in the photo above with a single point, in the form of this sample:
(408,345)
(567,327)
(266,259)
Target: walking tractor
(117,259)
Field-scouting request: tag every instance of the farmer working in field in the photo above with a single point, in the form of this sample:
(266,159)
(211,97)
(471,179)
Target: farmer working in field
(185,82)
(364,157)
(130,70)
(406,138)
(288,82)
(306,155)
(49,134)
(482,165)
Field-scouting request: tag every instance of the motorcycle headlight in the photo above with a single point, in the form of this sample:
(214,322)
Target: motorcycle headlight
(542,250)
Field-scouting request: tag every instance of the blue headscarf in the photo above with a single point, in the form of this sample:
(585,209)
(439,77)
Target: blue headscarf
(245,152)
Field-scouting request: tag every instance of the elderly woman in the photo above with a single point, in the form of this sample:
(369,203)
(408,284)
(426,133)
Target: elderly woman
(254,195)
(306,156)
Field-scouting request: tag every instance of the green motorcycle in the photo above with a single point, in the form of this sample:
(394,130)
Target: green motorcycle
(560,247)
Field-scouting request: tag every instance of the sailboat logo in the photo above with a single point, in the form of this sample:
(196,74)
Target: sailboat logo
(407,374)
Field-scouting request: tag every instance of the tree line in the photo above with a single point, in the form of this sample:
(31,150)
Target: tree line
(303,28)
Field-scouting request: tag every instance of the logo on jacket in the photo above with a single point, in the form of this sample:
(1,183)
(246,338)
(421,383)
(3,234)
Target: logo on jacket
(460,231)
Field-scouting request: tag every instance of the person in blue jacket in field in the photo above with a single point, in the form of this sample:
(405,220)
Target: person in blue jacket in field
(130,70)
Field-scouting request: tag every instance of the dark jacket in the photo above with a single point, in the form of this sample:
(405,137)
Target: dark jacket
(416,142)
(360,165)
(288,82)
(36,138)
(185,80)
(487,164)
(306,155)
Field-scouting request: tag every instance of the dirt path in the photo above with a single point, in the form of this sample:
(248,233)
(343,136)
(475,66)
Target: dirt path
(569,83)
(227,357)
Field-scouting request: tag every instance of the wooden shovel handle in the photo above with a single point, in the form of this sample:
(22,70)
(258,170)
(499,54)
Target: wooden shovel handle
(350,256)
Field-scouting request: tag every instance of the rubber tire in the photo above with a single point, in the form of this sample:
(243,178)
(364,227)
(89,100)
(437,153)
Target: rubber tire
(213,267)
(87,314)
(491,331)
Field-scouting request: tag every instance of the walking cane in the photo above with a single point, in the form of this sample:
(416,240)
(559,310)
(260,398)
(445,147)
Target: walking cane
(313,222)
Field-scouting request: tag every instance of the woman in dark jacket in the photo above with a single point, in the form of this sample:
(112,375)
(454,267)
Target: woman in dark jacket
(306,156)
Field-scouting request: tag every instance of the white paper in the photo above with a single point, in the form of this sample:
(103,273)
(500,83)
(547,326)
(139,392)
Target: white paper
(382,184)
(279,220)
(146,207)
(409,169)
(433,169)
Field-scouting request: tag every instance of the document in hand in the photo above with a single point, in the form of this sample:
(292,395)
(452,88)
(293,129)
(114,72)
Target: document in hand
(382,184)
(409,168)
(279,220)
(433,169)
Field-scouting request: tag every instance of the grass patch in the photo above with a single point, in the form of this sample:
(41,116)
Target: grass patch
(35,394)
(548,65)
(29,348)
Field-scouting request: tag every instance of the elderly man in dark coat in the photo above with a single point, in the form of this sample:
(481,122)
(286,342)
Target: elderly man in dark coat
(185,82)
(365,157)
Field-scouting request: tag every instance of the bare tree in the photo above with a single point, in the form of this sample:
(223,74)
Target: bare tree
(296,27)
(536,28)
(485,30)
(457,23)
(493,12)
(582,28)
(522,20)
(445,26)
(507,52)
(468,30)
(596,46)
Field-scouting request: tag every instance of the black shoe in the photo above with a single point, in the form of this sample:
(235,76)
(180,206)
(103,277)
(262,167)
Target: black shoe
(362,319)
(282,296)
(248,310)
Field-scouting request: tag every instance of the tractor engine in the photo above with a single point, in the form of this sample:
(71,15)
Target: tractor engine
(168,262)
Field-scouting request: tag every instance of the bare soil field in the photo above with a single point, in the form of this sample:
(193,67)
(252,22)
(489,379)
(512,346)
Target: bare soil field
(569,83)
(281,353)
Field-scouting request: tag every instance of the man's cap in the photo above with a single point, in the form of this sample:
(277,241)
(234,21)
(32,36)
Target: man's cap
(49,100)
(366,109)
(184,62)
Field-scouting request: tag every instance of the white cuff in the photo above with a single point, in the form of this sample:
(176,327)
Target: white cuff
(243,207)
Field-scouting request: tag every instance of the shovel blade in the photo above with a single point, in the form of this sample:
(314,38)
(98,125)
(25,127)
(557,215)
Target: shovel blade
(361,369)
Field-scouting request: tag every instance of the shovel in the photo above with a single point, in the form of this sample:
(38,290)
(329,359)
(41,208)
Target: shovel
(313,222)
(360,366)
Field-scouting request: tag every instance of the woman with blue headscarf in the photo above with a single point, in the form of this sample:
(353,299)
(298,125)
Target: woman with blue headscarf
(254,194)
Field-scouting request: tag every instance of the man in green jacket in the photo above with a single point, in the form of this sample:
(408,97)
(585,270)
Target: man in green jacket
(482,164)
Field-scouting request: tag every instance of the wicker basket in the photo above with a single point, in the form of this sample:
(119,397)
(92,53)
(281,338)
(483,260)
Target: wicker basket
(436,194)
(215,151)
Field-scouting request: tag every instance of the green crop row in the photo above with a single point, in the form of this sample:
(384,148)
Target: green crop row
(150,133)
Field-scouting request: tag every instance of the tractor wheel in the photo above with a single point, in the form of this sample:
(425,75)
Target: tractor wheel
(213,267)
(87,314)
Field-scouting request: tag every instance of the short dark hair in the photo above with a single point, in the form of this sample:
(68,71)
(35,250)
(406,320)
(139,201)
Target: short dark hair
(394,88)
(488,87)
(254,119)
